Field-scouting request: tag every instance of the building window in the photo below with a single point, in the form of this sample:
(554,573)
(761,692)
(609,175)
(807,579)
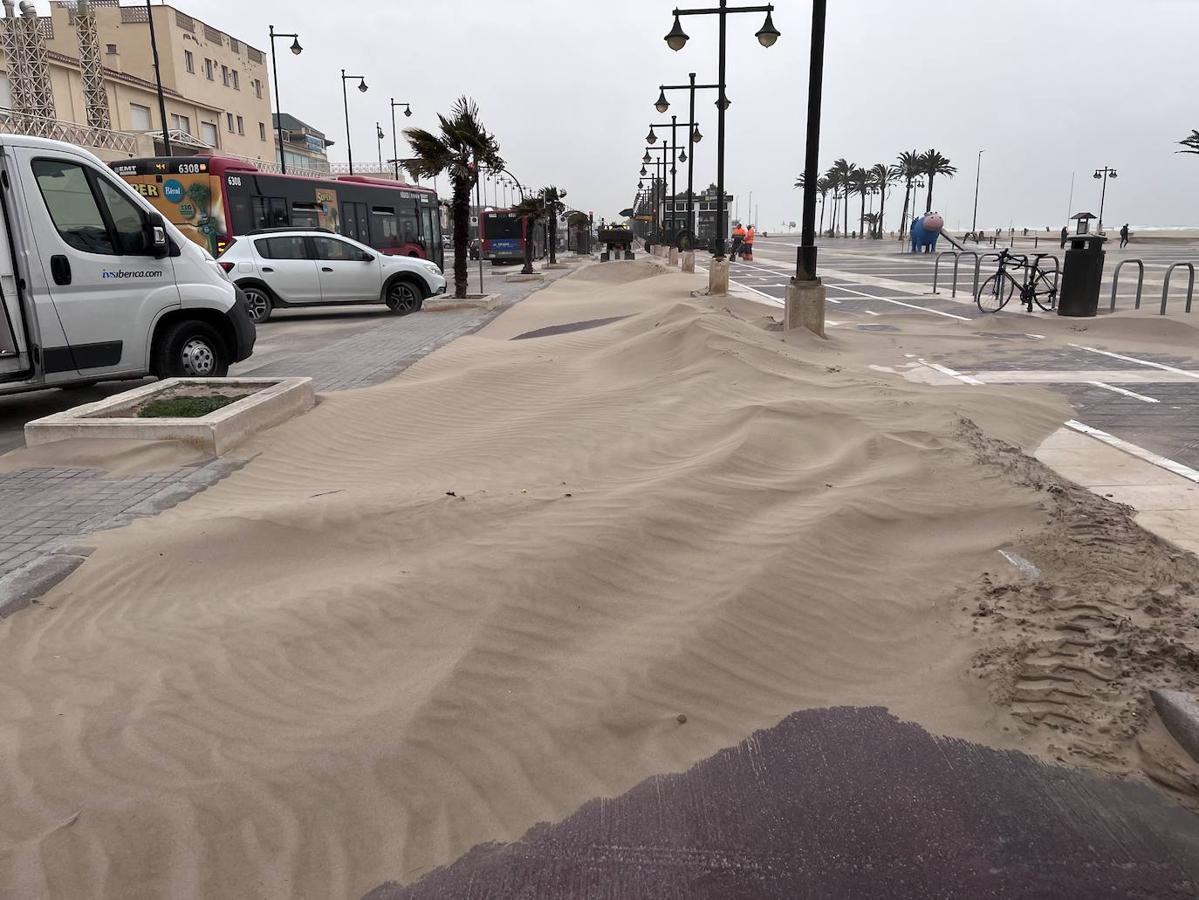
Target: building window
(111,48)
(208,134)
(225,75)
(139,117)
(181,123)
(210,69)
(236,80)
(241,125)
(189,62)
(262,131)
(258,88)
(229,122)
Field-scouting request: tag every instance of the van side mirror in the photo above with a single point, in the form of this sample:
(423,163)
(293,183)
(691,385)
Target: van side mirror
(156,236)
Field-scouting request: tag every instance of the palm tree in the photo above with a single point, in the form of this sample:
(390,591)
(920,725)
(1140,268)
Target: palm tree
(881,175)
(554,207)
(932,164)
(532,209)
(823,186)
(840,173)
(908,167)
(460,150)
(859,179)
(1190,143)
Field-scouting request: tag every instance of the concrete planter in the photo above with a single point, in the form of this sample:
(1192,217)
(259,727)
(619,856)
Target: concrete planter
(270,402)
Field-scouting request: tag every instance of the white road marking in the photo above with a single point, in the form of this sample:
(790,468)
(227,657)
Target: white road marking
(1139,452)
(935,312)
(1126,393)
(871,312)
(1035,337)
(1143,362)
(945,370)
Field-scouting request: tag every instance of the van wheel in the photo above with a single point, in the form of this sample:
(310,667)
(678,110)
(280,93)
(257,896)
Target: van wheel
(191,349)
(259,302)
(403,297)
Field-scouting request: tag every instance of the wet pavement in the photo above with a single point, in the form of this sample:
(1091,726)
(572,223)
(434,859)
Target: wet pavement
(846,802)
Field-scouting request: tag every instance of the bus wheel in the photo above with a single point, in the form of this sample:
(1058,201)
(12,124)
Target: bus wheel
(403,297)
(258,300)
(191,349)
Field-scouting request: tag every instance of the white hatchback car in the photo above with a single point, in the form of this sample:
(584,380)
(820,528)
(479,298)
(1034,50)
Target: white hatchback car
(279,267)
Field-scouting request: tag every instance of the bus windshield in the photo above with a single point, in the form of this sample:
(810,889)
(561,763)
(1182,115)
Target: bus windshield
(501,226)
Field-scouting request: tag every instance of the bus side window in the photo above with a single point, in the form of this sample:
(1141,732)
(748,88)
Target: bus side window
(305,215)
(409,225)
(270,212)
(383,227)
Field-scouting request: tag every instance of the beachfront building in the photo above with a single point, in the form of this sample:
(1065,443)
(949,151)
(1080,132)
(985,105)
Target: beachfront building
(305,149)
(99,87)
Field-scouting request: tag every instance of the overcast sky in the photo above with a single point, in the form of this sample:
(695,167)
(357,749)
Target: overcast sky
(1047,87)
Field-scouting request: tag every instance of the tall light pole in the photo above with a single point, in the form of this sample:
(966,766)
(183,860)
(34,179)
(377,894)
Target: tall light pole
(674,147)
(395,148)
(977,175)
(162,103)
(805,256)
(1104,173)
(661,105)
(346,103)
(676,39)
(296,50)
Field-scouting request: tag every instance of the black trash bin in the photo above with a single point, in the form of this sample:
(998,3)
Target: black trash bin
(1082,274)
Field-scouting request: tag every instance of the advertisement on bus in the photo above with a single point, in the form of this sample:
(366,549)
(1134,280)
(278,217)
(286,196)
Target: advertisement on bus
(188,196)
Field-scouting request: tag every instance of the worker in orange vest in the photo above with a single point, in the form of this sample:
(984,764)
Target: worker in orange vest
(747,249)
(738,240)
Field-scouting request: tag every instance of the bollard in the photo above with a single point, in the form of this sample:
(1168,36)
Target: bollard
(689,261)
(1140,281)
(1190,285)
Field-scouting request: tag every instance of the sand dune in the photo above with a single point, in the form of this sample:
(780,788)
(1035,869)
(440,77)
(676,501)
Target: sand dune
(436,611)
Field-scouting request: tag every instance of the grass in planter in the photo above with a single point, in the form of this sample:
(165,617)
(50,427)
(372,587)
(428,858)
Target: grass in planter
(186,407)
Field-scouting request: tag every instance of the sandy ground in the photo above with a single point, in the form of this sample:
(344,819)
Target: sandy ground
(437,611)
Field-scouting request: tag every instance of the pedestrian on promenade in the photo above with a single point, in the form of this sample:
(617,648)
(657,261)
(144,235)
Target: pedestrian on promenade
(1124,236)
(747,248)
(738,238)
(1065,234)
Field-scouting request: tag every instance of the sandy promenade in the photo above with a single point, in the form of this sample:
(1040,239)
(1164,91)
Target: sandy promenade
(437,611)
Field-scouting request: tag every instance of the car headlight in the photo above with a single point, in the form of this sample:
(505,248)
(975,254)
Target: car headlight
(432,267)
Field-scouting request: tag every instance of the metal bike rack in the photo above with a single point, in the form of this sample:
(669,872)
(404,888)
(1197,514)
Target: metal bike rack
(978,261)
(937,265)
(957,259)
(1116,280)
(1057,270)
(1190,285)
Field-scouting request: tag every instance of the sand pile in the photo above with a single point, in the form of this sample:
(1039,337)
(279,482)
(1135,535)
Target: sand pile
(437,611)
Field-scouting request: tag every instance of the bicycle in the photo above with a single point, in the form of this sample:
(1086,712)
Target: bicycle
(1038,287)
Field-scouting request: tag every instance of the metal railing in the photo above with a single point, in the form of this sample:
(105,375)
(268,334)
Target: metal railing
(1190,285)
(1116,280)
(937,265)
(957,259)
(71,132)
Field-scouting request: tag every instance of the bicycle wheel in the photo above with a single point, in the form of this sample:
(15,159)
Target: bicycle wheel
(1045,294)
(995,293)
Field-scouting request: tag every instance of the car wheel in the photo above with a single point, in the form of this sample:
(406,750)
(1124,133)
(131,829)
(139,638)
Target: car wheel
(403,297)
(259,302)
(191,349)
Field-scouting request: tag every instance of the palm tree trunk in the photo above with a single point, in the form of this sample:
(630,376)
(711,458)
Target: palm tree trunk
(907,197)
(928,206)
(822,199)
(553,222)
(862,219)
(527,227)
(882,202)
(461,205)
(846,232)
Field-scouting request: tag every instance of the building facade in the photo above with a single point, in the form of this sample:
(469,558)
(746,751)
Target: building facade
(304,148)
(215,85)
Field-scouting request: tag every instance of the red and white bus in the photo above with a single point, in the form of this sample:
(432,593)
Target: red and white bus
(213,198)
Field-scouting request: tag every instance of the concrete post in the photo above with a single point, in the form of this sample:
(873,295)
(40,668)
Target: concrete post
(688,262)
(718,278)
(805,306)
(673,258)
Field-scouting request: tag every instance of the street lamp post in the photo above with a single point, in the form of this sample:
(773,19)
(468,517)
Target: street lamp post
(162,102)
(674,148)
(1104,173)
(379,135)
(805,256)
(694,138)
(659,188)
(395,150)
(296,49)
(346,103)
(977,175)
(676,39)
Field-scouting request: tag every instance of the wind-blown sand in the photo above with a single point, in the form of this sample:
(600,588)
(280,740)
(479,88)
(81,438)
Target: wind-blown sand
(434,612)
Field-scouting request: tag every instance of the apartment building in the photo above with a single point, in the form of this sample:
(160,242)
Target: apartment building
(215,85)
(305,149)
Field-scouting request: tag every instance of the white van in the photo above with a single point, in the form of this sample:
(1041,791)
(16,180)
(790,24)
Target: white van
(95,285)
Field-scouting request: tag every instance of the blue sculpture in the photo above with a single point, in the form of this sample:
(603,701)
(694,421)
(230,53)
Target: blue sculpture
(925,231)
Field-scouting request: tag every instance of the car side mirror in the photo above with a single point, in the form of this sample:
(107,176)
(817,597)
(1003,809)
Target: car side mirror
(156,236)
(366,257)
